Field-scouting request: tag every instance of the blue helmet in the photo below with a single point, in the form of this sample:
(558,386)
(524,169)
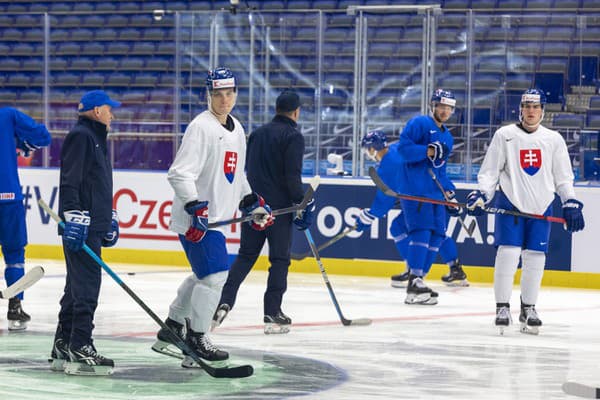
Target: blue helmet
(533,96)
(443,97)
(220,78)
(374,139)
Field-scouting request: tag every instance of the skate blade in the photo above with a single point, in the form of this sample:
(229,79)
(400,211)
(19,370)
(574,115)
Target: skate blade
(166,348)
(74,368)
(57,365)
(276,329)
(463,283)
(424,299)
(189,362)
(530,330)
(14,325)
(400,285)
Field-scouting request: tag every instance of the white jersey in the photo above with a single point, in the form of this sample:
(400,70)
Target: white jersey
(209,166)
(530,168)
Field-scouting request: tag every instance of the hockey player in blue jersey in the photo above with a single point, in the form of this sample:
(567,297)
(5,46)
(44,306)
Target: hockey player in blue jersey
(425,144)
(376,147)
(20,132)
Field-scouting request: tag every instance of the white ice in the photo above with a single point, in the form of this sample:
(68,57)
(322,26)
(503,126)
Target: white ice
(447,351)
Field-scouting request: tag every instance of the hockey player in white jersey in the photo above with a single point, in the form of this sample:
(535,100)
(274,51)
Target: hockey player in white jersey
(529,163)
(210,184)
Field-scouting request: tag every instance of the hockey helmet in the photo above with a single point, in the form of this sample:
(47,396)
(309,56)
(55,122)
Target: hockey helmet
(533,96)
(374,139)
(442,96)
(220,78)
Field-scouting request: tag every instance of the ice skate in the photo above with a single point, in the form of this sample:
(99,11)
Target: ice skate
(17,318)
(418,293)
(503,317)
(219,316)
(530,322)
(277,324)
(456,276)
(59,355)
(199,343)
(86,361)
(400,280)
(165,343)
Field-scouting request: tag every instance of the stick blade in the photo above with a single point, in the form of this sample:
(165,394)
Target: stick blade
(243,371)
(314,182)
(581,390)
(32,276)
(361,321)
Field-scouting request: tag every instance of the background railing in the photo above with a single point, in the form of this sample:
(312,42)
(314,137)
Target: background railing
(357,68)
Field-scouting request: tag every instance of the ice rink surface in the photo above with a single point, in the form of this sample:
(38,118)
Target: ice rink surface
(447,351)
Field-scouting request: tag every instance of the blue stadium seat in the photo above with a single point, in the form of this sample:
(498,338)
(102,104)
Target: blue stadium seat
(105,6)
(92,48)
(595,103)
(58,7)
(82,34)
(65,79)
(58,63)
(158,64)
(299,5)
(145,79)
(490,81)
(116,20)
(519,82)
(106,34)
(561,120)
(143,48)
(453,4)
(10,64)
(11,34)
(593,120)
(118,79)
(94,80)
(24,49)
(572,4)
(130,34)
(82,7)
(559,33)
(131,64)
(554,64)
(82,64)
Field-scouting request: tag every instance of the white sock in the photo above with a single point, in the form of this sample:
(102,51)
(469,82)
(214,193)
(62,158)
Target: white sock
(505,266)
(532,272)
(180,308)
(205,299)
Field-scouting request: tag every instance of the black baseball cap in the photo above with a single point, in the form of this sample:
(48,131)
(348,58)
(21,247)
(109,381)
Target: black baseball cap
(287,101)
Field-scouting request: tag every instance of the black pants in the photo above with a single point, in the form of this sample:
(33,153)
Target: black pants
(80,298)
(279,237)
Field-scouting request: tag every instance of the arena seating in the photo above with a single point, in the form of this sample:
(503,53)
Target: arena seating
(123,48)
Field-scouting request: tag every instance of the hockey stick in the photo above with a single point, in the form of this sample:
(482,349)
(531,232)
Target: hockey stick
(581,390)
(341,235)
(492,210)
(241,371)
(345,322)
(469,229)
(31,277)
(308,195)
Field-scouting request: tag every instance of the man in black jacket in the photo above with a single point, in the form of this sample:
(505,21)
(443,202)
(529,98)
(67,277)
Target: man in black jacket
(85,205)
(274,169)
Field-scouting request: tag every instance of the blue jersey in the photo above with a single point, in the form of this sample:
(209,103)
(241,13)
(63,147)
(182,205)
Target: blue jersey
(414,177)
(16,127)
(388,171)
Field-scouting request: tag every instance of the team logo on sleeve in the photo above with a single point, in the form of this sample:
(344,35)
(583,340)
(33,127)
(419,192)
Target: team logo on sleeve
(531,160)
(230,164)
